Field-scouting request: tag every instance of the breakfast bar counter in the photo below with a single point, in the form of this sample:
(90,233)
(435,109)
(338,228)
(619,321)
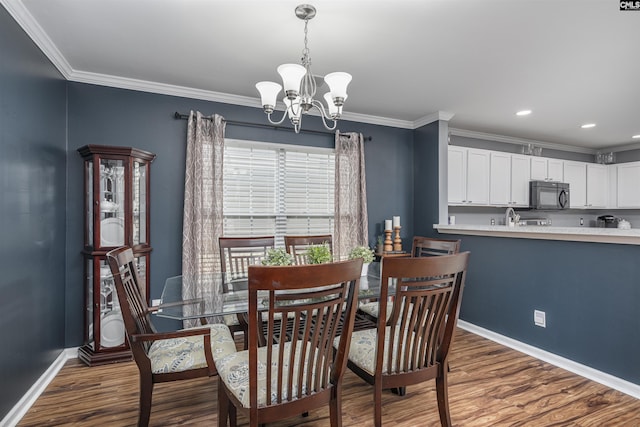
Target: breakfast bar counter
(576,234)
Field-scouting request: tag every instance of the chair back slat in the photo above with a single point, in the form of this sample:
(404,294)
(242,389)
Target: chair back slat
(135,311)
(308,307)
(426,246)
(238,253)
(425,310)
(297,245)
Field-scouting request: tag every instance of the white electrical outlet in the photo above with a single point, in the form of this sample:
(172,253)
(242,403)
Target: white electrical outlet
(540,318)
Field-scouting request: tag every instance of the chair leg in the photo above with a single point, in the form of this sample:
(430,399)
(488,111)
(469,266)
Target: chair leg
(233,416)
(335,406)
(400,391)
(442,390)
(146,394)
(377,405)
(223,405)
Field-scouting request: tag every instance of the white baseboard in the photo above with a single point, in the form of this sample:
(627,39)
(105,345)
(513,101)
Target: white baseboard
(603,378)
(30,397)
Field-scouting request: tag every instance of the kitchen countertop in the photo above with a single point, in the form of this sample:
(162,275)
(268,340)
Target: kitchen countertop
(577,234)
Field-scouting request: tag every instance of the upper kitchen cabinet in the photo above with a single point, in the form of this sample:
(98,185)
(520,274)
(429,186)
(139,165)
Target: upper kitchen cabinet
(468,176)
(545,169)
(588,184)
(575,174)
(597,186)
(627,191)
(509,180)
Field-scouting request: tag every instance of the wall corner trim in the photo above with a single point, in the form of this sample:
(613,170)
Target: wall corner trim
(22,407)
(433,117)
(603,378)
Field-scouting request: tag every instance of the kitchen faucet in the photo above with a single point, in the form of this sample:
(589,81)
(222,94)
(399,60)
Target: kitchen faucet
(511,217)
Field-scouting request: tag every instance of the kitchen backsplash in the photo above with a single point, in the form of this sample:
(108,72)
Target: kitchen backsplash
(568,218)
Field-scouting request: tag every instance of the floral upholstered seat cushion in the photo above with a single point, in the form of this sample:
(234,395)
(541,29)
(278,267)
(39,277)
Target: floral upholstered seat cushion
(234,371)
(230,319)
(182,354)
(373,309)
(362,351)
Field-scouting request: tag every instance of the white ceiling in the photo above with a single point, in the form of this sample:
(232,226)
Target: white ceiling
(570,61)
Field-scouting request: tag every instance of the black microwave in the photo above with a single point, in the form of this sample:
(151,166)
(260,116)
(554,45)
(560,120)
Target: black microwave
(548,195)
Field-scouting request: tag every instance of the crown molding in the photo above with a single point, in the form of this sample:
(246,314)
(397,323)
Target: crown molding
(433,117)
(161,88)
(519,141)
(377,120)
(618,148)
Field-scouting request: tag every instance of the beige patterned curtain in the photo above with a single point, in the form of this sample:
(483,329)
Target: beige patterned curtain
(350,222)
(202,223)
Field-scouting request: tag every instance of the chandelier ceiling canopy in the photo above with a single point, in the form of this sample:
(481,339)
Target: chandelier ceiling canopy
(300,86)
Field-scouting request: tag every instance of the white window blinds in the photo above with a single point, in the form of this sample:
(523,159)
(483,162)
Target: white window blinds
(275,189)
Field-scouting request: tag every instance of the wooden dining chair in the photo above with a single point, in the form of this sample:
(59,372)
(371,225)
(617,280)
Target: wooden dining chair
(297,245)
(236,255)
(427,246)
(422,246)
(280,375)
(414,345)
(162,356)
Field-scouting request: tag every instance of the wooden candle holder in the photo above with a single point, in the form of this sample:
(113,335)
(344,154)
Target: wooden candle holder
(397,242)
(388,247)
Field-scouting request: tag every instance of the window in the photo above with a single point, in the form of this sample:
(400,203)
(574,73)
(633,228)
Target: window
(275,189)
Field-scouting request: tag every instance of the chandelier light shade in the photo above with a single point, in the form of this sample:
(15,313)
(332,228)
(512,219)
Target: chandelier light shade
(300,87)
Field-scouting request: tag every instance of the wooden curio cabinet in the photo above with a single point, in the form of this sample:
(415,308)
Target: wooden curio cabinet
(116,213)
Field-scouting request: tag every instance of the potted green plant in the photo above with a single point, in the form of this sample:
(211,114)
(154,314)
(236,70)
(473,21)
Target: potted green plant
(366,254)
(277,256)
(319,254)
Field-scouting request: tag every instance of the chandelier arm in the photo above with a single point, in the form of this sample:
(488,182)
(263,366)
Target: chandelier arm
(324,115)
(284,115)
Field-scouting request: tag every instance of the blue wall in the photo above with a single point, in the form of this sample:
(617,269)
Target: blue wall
(32,212)
(589,291)
(426,179)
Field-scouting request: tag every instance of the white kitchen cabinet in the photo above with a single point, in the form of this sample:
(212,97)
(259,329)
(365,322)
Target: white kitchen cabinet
(457,175)
(628,185)
(555,170)
(509,180)
(468,176)
(546,169)
(575,173)
(520,173)
(597,186)
(500,179)
(538,168)
(613,186)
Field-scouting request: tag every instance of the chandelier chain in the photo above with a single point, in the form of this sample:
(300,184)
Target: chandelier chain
(305,51)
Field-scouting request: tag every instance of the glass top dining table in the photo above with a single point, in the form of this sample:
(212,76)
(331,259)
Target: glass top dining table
(230,296)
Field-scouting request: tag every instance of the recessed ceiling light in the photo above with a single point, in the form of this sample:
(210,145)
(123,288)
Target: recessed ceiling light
(588,125)
(636,136)
(523,113)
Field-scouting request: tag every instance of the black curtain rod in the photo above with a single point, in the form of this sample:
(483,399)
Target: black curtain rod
(177,115)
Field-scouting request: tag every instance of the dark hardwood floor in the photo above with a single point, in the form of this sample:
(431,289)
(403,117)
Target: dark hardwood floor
(489,385)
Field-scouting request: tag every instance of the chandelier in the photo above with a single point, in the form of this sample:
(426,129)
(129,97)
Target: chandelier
(300,86)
